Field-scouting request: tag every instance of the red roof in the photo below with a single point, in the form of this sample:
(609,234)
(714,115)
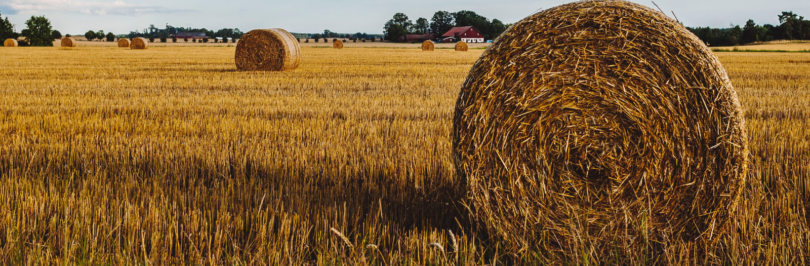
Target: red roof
(456,31)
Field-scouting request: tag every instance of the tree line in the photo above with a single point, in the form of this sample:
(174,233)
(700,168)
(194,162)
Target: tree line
(37,32)
(169,31)
(791,27)
(441,22)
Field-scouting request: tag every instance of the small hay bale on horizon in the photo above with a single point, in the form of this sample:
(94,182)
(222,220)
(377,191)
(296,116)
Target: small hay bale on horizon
(10,43)
(598,126)
(68,42)
(139,43)
(267,50)
(428,45)
(461,46)
(123,43)
(338,44)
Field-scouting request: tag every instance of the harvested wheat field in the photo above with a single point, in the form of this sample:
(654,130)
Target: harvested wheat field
(345,160)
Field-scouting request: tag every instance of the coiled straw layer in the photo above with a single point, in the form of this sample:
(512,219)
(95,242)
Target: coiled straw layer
(461,46)
(268,50)
(10,43)
(123,43)
(338,44)
(599,125)
(427,45)
(68,42)
(139,43)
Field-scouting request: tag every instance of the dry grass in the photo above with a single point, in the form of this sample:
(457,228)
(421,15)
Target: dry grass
(772,46)
(184,160)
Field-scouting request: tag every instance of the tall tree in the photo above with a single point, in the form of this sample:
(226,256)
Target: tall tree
(398,26)
(6,29)
(100,35)
(90,35)
(39,31)
(421,26)
(497,28)
(441,22)
(749,32)
(56,35)
(110,37)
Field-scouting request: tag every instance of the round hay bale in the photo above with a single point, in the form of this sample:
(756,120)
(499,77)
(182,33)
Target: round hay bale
(427,45)
(10,43)
(123,43)
(68,42)
(139,43)
(461,46)
(337,44)
(268,50)
(599,120)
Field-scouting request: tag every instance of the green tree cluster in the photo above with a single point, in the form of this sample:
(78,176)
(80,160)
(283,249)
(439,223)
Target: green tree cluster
(6,29)
(791,27)
(38,31)
(441,22)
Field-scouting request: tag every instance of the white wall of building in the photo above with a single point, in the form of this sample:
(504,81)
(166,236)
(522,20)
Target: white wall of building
(472,40)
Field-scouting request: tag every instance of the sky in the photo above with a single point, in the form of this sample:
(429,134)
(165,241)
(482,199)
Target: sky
(342,16)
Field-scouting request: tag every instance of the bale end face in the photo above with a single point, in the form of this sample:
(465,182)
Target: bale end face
(139,43)
(428,45)
(267,50)
(10,43)
(68,42)
(337,44)
(643,127)
(461,46)
(123,43)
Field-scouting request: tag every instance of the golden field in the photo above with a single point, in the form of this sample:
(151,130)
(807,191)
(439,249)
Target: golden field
(169,155)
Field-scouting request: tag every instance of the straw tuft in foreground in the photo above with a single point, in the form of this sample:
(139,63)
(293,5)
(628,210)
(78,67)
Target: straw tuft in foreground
(268,50)
(597,129)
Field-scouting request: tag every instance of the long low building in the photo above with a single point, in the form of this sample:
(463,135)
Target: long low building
(191,35)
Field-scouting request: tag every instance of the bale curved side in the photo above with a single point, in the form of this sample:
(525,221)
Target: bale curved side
(68,42)
(139,43)
(461,46)
(123,43)
(10,43)
(337,44)
(427,45)
(603,120)
(267,50)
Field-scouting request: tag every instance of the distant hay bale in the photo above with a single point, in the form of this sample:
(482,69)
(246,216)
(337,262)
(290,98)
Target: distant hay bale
(68,42)
(123,43)
(427,45)
(599,122)
(268,50)
(461,46)
(337,44)
(10,43)
(139,43)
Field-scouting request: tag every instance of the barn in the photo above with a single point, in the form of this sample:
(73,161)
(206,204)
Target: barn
(191,35)
(466,34)
(416,37)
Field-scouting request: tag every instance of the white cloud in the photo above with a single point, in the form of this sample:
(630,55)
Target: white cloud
(84,7)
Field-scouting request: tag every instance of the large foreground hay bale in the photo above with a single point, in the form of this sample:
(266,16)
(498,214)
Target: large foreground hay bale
(10,43)
(337,44)
(461,46)
(139,43)
(68,42)
(427,45)
(123,43)
(600,122)
(268,50)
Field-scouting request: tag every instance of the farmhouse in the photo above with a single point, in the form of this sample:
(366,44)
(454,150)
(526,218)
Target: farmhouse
(416,37)
(465,34)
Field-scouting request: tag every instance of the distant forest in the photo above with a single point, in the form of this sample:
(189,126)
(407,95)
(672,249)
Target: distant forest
(791,27)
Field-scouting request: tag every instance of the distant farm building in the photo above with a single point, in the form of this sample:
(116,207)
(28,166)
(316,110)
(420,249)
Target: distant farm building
(191,35)
(465,34)
(417,37)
